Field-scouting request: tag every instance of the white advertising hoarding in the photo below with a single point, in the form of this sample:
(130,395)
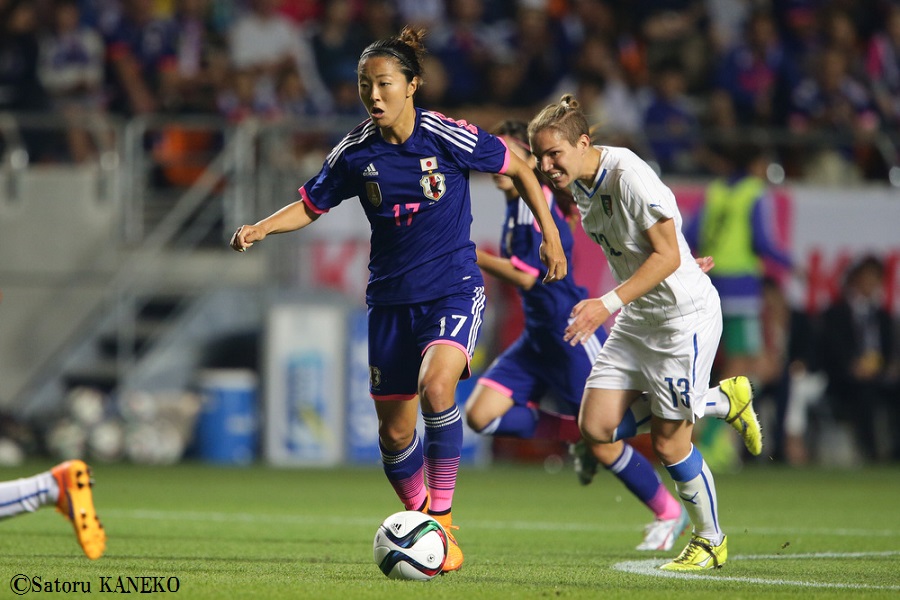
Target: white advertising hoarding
(305,383)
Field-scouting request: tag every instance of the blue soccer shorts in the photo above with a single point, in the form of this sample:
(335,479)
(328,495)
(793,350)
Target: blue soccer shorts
(399,335)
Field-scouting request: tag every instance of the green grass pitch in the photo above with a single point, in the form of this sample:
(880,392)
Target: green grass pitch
(262,532)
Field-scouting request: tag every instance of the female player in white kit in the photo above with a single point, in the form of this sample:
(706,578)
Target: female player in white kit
(666,337)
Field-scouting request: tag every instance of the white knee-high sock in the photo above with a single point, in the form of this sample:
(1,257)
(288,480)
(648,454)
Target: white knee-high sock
(27,494)
(717,403)
(697,491)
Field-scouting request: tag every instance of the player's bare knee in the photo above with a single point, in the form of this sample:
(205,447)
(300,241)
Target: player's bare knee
(393,437)
(596,433)
(437,395)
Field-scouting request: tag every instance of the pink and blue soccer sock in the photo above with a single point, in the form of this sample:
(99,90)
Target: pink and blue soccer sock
(527,422)
(636,472)
(405,471)
(443,447)
(518,421)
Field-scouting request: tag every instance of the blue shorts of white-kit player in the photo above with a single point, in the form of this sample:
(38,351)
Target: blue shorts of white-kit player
(400,334)
(672,362)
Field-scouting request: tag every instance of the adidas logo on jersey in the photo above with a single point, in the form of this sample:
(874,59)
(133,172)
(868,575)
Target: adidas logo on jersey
(370,171)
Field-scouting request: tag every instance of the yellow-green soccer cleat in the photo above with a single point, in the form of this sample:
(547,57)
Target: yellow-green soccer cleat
(741,414)
(698,555)
(76,503)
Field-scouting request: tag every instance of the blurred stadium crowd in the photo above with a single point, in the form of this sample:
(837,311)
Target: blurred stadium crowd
(816,83)
(669,78)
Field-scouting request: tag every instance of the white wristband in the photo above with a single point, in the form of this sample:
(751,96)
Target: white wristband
(611,301)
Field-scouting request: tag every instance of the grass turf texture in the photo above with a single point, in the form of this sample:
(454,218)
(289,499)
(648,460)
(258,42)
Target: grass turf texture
(281,533)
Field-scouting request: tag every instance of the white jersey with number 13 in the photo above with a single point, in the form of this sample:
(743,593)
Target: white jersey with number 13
(626,199)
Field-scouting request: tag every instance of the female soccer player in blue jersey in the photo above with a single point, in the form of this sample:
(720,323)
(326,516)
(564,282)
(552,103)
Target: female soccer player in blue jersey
(665,339)
(409,168)
(541,366)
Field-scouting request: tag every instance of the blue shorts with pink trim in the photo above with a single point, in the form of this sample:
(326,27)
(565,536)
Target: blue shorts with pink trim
(399,335)
(540,366)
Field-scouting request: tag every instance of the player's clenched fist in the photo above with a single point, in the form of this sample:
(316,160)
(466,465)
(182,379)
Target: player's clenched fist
(554,257)
(245,236)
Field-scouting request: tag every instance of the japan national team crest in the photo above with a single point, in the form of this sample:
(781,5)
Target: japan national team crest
(433,185)
(373,193)
(374,377)
(606,200)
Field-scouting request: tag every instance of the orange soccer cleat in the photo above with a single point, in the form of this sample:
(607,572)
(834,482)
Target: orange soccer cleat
(76,503)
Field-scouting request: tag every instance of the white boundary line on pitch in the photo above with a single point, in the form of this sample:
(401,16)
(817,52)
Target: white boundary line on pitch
(220,516)
(650,567)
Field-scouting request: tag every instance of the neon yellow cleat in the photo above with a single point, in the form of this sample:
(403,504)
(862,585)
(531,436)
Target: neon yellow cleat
(698,555)
(76,503)
(741,414)
(454,558)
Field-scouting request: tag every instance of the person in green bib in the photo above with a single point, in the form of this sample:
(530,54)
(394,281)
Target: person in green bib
(736,227)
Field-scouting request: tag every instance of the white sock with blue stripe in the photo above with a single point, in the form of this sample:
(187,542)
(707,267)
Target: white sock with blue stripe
(717,403)
(27,494)
(697,491)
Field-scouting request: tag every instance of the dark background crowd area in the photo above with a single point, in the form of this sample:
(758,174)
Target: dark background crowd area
(669,78)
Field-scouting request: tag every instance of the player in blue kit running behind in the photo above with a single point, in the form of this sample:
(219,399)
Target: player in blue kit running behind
(409,168)
(665,339)
(534,388)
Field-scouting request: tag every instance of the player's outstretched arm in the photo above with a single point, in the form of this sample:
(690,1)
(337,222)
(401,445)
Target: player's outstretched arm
(296,215)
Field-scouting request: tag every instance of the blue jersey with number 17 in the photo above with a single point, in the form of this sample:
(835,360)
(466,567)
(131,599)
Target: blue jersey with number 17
(416,198)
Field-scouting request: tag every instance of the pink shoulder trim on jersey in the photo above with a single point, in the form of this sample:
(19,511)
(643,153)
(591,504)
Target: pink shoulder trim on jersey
(490,383)
(387,397)
(523,266)
(305,197)
(459,122)
(506,157)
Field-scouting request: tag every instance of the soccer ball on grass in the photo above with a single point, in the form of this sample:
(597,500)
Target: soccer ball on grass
(410,545)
